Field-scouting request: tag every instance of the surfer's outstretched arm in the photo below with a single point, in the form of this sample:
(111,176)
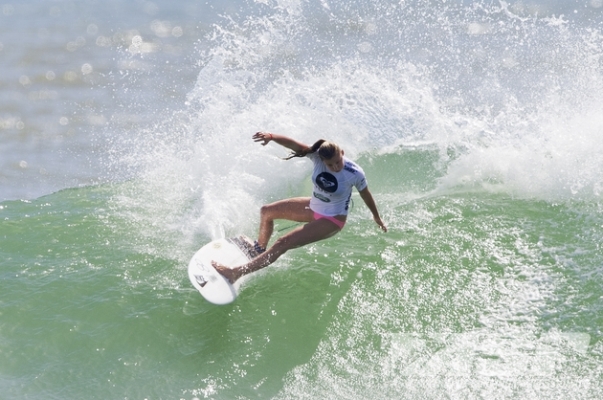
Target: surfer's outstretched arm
(367,197)
(285,141)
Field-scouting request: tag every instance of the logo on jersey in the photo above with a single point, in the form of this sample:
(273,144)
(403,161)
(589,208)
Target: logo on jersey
(327,182)
(322,198)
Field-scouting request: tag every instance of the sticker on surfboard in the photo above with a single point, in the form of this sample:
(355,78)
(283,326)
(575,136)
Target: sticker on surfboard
(230,252)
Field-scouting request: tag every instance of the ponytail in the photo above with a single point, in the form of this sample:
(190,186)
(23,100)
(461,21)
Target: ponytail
(315,147)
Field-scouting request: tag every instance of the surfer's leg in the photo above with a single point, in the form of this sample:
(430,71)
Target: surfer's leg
(296,209)
(309,233)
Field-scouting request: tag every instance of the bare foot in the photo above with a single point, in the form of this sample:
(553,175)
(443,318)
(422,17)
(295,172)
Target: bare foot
(231,274)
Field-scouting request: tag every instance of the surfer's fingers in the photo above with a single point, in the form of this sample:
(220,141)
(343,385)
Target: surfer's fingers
(381,224)
(262,136)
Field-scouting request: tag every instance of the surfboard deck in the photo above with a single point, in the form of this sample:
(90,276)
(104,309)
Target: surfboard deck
(230,252)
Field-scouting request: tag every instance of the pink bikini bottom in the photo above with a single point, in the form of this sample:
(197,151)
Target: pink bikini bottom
(334,220)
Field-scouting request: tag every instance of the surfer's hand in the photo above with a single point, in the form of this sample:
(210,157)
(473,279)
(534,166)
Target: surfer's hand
(381,224)
(263,137)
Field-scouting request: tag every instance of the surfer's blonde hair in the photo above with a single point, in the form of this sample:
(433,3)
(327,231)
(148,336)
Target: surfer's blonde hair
(326,150)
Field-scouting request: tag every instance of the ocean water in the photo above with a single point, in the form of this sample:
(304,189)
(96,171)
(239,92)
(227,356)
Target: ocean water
(126,144)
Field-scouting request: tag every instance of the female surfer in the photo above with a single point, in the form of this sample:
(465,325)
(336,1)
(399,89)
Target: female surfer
(324,213)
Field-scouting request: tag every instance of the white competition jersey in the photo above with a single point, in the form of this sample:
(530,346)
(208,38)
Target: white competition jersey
(333,190)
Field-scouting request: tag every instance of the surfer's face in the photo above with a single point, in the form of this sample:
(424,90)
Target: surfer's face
(335,163)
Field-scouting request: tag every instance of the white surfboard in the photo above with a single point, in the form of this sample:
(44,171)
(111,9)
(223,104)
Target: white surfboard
(230,252)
